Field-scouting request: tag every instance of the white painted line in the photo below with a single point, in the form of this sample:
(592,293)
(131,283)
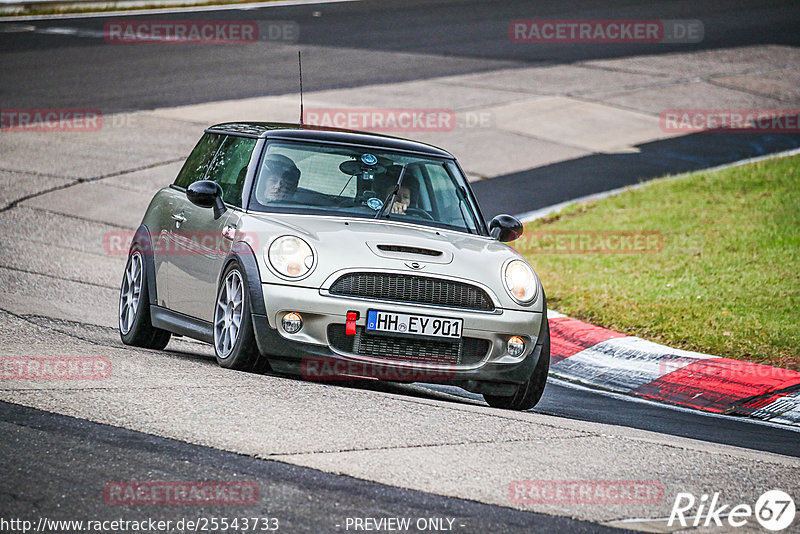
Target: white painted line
(544,212)
(78,32)
(624,364)
(170,10)
(788,405)
(529,216)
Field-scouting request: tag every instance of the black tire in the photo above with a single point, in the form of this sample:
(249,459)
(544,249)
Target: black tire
(528,393)
(140,332)
(243,355)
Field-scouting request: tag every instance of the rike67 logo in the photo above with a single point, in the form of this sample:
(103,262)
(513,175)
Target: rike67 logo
(774,510)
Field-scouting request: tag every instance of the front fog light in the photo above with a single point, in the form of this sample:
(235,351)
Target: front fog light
(515,346)
(292,323)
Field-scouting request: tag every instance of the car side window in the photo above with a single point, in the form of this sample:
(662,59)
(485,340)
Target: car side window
(196,164)
(229,167)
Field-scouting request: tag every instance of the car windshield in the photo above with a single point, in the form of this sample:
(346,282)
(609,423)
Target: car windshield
(303,177)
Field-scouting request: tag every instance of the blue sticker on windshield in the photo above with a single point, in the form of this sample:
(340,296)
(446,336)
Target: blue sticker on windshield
(369,159)
(375,203)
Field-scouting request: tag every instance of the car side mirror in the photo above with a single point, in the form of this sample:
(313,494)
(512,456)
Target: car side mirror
(505,228)
(207,194)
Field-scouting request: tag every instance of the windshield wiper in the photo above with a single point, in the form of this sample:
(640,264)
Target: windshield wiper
(393,194)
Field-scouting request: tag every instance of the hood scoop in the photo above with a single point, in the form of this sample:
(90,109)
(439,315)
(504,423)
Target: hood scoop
(410,253)
(403,249)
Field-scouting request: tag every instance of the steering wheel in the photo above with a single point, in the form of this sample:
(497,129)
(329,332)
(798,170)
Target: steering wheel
(416,212)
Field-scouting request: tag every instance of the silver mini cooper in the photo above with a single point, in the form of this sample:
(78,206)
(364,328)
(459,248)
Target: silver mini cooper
(337,254)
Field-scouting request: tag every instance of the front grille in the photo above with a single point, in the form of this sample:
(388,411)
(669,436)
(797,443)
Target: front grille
(466,351)
(412,288)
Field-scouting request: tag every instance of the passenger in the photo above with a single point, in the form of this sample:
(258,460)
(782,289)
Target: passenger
(403,200)
(384,185)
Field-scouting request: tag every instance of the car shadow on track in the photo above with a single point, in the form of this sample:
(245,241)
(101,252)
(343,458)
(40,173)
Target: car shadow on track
(439,392)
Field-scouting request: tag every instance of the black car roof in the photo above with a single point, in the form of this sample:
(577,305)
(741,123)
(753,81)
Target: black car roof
(282,130)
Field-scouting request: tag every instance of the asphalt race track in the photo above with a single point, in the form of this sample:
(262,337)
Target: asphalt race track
(321,453)
(404,40)
(304,499)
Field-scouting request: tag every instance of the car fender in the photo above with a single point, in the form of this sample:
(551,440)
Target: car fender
(144,243)
(242,254)
(266,338)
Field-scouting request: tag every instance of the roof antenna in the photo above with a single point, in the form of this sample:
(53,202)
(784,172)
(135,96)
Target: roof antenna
(300,67)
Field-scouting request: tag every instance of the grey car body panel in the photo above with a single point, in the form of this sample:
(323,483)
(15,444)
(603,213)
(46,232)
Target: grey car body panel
(343,244)
(492,378)
(193,327)
(161,317)
(193,276)
(157,218)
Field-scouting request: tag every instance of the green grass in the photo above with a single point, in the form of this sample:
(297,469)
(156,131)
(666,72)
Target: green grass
(727,281)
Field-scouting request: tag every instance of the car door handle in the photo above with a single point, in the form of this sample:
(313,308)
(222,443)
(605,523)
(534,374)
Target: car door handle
(179,217)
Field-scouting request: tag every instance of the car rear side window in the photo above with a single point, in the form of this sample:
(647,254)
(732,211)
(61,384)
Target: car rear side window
(197,163)
(229,167)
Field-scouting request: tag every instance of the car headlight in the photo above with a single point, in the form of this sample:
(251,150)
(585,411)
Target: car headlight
(291,256)
(520,281)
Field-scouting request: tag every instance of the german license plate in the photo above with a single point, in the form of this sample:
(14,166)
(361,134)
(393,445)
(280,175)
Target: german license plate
(413,324)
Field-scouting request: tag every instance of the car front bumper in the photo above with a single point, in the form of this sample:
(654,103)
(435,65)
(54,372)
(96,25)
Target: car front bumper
(312,353)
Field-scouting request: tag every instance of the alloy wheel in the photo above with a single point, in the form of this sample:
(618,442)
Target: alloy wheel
(228,314)
(130,293)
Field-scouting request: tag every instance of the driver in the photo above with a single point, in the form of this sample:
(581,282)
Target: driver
(278,179)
